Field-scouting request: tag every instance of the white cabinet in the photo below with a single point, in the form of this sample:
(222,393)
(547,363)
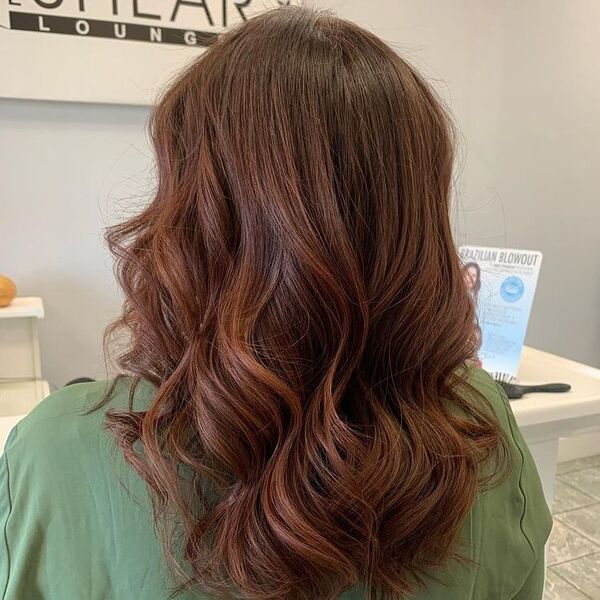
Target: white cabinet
(21,383)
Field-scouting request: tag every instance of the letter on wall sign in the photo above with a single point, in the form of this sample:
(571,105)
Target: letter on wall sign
(120,51)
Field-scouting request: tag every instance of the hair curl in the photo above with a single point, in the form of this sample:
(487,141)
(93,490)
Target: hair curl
(294,294)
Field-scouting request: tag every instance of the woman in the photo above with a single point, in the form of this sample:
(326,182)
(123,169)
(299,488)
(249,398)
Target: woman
(472,273)
(295,419)
(473,279)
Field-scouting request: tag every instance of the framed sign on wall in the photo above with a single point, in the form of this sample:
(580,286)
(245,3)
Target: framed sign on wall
(112,51)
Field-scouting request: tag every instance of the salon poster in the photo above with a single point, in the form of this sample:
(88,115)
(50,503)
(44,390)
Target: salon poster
(502,282)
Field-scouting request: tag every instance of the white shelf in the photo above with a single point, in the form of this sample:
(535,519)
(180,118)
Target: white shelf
(23,307)
(19,397)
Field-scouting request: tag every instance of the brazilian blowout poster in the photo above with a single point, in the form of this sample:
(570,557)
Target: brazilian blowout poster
(502,283)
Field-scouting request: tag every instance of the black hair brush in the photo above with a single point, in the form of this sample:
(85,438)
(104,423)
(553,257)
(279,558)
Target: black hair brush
(514,390)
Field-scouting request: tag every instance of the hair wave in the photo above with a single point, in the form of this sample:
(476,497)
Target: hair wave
(294,294)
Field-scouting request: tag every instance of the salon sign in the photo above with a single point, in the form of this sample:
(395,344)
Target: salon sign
(117,51)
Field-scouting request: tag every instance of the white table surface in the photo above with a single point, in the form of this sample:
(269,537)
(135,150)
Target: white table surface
(545,418)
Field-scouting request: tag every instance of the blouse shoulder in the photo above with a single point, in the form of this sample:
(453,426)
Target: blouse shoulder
(60,451)
(518,501)
(75,410)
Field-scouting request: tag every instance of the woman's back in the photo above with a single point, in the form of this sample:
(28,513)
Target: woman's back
(77,522)
(294,295)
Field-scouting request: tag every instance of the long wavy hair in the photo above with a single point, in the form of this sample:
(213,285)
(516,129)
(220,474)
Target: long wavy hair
(294,294)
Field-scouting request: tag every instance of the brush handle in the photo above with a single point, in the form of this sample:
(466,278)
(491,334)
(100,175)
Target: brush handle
(554,388)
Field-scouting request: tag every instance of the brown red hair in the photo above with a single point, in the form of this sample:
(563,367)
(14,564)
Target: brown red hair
(294,294)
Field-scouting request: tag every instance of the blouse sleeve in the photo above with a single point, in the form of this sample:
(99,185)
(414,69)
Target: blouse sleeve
(536,521)
(24,547)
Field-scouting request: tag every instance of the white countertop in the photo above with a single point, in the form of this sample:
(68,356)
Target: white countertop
(576,411)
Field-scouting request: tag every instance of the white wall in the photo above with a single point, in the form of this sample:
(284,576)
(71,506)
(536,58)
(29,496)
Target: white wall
(66,170)
(522,79)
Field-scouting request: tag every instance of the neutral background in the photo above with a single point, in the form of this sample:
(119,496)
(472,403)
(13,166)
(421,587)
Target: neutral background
(522,79)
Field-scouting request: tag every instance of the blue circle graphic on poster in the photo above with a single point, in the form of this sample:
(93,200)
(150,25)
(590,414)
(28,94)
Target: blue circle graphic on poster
(512,289)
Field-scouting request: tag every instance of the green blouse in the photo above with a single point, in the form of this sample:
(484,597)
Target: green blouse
(75,521)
